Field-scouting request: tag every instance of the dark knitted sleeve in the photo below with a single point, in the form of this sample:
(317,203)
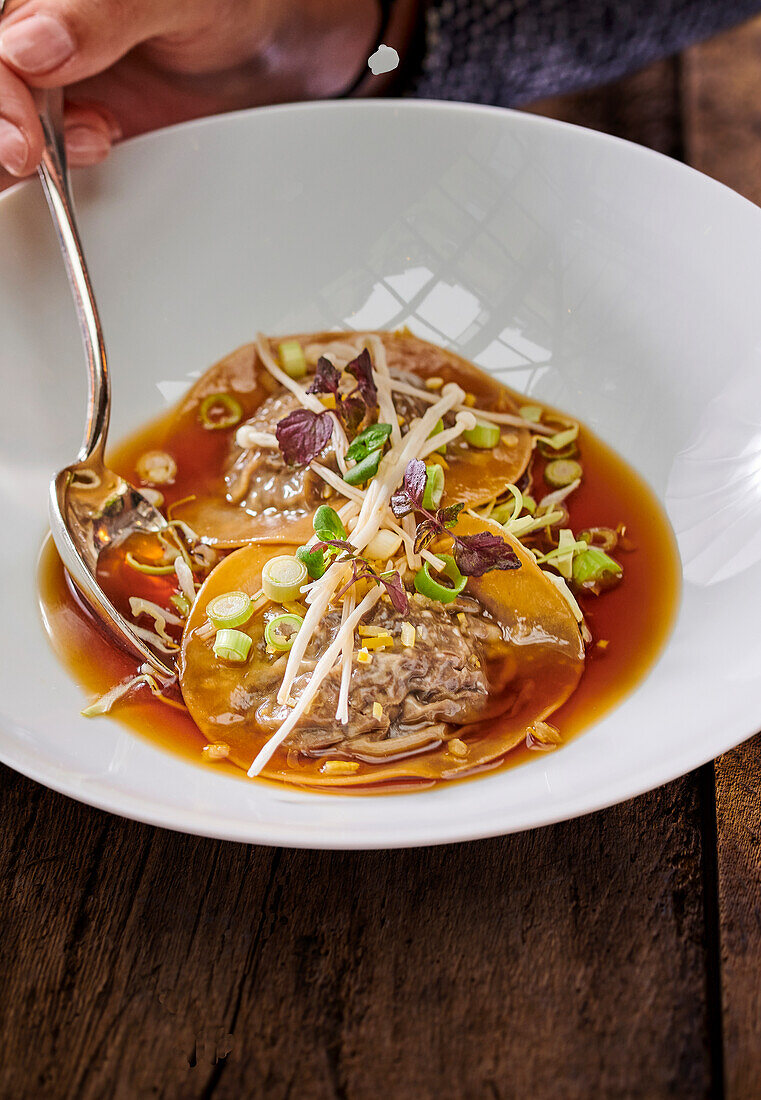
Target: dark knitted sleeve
(511,51)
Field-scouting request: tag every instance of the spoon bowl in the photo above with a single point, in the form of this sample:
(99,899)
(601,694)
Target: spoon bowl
(90,506)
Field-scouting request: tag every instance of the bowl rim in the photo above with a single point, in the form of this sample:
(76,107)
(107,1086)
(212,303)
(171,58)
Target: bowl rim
(137,807)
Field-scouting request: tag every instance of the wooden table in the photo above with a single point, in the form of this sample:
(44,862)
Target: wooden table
(615,956)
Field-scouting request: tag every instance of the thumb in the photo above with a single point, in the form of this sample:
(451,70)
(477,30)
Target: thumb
(56,42)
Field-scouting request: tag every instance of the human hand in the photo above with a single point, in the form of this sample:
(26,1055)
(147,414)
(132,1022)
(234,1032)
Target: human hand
(133,65)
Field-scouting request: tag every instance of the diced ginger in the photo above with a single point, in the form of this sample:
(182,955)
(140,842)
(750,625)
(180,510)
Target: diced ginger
(510,439)
(457,747)
(380,641)
(371,631)
(469,400)
(377,710)
(434,383)
(215,751)
(339,767)
(364,657)
(327,399)
(408,635)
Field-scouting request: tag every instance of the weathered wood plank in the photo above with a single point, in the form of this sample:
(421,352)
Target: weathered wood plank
(566,959)
(722,107)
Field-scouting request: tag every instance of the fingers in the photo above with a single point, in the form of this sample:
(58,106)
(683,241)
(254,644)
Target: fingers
(90,131)
(20,129)
(50,43)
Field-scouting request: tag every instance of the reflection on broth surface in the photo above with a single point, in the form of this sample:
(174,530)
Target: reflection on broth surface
(443,675)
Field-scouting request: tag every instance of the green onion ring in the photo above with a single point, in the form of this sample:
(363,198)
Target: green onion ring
(274,636)
(426,585)
(233,413)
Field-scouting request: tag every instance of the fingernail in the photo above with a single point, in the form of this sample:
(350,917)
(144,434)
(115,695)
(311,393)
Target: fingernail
(86,144)
(37,44)
(14,148)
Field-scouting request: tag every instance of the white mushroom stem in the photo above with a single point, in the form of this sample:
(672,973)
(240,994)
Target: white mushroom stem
(342,711)
(331,478)
(247,437)
(464,422)
(340,443)
(482,414)
(408,531)
(386,407)
(321,669)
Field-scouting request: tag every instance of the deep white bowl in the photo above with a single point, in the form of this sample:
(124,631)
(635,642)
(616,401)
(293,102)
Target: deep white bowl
(588,272)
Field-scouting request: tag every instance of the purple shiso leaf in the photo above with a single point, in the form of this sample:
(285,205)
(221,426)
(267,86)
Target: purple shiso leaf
(424,535)
(362,369)
(410,496)
(352,411)
(326,379)
(396,591)
(447,517)
(302,435)
(478,554)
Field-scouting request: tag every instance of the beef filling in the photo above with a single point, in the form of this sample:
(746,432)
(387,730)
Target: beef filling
(425,691)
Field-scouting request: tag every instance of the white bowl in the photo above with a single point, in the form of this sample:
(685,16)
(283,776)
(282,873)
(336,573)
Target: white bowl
(588,272)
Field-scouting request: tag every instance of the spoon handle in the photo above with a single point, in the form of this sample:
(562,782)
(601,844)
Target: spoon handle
(55,182)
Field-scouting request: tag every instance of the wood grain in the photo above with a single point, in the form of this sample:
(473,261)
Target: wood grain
(722,126)
(567,961)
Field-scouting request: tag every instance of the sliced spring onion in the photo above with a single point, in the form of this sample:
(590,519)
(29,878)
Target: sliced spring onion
(292,358)
(600,538)
(531,412)
(220,410)
(560,440)
(369,440)
(434,486)
(383,545)
(281,631)
(485,436)
(591,564)
(569,451)
(145,567)
(529,505)
(438,427)
(511,509)
(562,472)
(364,470)
(232,645)
(313,561)
(565,553)
(524,524)
(156,468)
(230,610)
(181,602)
(433,589)
(282,578)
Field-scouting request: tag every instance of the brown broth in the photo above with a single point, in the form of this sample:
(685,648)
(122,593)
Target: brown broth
(634,618)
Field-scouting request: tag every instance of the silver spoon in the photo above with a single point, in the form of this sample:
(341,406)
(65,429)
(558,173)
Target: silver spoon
(91,507)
